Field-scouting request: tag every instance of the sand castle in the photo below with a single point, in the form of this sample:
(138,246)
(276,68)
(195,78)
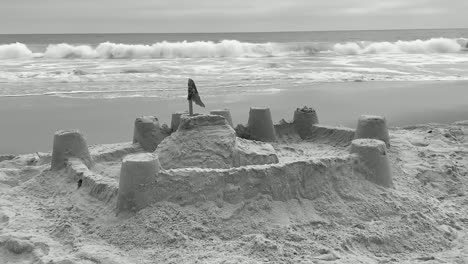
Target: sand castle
(205,159)
(260,124)
(136,174)
(304,119)
(370,126)
(67,144)
(373,154)
(148,133)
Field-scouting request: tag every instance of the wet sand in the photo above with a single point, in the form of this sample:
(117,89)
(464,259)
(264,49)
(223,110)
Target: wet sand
(28,123)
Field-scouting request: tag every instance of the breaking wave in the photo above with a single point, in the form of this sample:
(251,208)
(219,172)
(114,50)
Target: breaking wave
(436,45)
(15,51)
(231,48)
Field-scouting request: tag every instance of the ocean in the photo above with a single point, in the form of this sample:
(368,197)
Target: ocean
(158,65)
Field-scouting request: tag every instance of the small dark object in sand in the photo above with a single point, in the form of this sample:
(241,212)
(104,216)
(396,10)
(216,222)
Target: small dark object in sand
(80,182)
(426,258)
(430,131)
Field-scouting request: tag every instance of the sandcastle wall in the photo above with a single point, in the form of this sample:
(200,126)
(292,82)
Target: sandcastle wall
(300,179)
(100,187)
(336,136)
(103,188)
(309,178)
(330,134)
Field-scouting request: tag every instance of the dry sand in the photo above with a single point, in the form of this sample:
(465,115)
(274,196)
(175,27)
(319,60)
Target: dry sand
(28,124)
(46,218)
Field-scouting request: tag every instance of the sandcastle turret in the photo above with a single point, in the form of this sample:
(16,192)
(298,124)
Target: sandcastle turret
(304,119)
(137,174)
(223,112)
(175,120)
(375,127)
(67,144)
(148,133)
(373,156)
(260,124)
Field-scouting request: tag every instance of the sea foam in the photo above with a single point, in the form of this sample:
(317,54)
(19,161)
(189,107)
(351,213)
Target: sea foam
(435,45)
(15,51)
(64,50)
(231,48)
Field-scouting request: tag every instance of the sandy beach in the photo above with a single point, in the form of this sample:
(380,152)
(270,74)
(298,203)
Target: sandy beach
(312,204)
(218,198)
(28,123)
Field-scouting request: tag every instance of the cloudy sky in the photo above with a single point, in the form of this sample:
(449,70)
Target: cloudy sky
(118,16)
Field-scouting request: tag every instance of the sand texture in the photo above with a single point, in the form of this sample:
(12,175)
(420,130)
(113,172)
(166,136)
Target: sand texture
(209,141)
(311,206)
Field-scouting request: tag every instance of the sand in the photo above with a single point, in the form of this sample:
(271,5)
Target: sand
(45,217)
(308,205)
(28,123)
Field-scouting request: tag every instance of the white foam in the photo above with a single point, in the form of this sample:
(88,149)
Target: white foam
(435,45)
(197,49)
(15,51)
(231,48)
(69,51)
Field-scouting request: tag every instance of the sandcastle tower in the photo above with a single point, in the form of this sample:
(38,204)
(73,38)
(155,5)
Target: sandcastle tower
(175,120)
(260,124)
(137,173)
(304,119)
(373,155)
(225,113)
(147,132)
(375,127)
(67,144)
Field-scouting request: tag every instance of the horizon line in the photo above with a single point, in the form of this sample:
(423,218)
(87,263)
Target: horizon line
(230,32)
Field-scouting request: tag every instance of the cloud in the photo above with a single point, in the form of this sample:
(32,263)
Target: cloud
(376,8)
(46,16)
(415,7)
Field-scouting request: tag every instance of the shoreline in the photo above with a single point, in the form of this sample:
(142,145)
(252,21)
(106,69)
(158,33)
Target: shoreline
(29,123)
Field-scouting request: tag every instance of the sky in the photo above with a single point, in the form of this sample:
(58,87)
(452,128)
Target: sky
(173,16)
